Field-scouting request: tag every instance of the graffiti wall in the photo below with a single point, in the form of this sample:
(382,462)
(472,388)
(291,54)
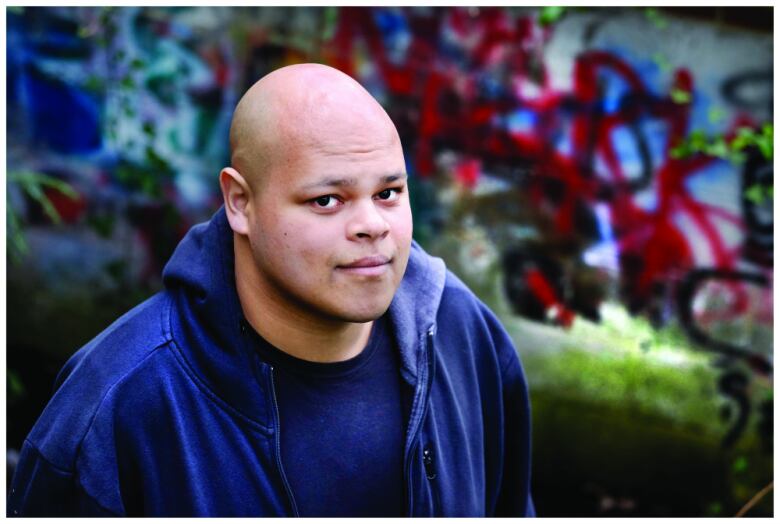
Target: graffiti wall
(584,119)
(604,156)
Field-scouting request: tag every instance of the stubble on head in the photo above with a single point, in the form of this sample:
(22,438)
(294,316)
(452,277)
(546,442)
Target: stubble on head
(302,108)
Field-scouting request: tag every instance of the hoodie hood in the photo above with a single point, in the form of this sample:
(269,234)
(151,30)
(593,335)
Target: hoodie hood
(208,327)
(415,305)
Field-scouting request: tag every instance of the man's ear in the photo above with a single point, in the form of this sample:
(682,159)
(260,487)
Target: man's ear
(237,197)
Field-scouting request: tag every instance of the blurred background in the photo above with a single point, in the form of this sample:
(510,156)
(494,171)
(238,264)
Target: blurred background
(601,177)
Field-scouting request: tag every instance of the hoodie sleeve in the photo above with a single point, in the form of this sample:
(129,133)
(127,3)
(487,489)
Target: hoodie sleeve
(40,489)
(514,497)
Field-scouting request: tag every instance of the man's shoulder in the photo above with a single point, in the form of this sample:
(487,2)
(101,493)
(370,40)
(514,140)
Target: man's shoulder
(458,299)
(125,350)
(119,348)
(459,313)
(466,319)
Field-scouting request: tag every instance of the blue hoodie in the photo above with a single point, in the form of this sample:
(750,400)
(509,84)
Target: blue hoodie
(169,411)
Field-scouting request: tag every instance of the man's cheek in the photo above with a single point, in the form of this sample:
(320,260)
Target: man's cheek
(312,244)
(402,228)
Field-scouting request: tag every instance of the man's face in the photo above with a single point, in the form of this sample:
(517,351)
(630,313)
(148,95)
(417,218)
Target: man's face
(332,226)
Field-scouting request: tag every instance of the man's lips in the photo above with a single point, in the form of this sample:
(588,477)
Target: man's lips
(372,261)
(369,266)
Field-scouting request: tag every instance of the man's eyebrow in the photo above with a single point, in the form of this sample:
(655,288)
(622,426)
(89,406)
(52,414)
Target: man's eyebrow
(331,182)
(392,178)
(350,181)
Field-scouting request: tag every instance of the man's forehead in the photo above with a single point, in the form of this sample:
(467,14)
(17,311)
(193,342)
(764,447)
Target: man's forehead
(319,133)
(328,181)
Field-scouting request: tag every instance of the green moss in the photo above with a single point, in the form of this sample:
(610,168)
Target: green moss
(622,408)
(633,381)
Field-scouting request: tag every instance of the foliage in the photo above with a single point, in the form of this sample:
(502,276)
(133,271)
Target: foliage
(764,140)
(654,16)
(717,146)
(732,150)
(33,185)
(634,367)
(15,387)
(680,96)
(662,62)
(120,78)
(549,15)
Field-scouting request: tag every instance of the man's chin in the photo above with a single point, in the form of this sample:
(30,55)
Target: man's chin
(365,317)
(364,314)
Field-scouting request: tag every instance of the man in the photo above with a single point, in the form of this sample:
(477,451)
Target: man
(306,356)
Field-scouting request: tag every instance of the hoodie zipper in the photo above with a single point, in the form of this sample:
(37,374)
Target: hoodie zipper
(277,442)
(429,462)
(422,395)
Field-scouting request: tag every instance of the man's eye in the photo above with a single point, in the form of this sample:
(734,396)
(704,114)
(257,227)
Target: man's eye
(326,202)
(389,194)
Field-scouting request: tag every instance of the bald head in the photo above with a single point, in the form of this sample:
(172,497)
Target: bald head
(303,106)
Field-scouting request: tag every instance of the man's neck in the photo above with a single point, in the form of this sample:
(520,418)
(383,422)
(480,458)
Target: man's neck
(292,329)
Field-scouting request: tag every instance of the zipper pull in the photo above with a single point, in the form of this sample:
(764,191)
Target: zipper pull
(428,457)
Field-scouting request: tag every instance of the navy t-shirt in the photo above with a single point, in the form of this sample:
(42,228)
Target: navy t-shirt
(342,429)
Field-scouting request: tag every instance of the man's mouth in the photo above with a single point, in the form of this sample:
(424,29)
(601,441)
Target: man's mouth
(375,265)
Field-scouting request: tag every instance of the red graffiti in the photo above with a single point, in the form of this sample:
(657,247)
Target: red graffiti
(450,111)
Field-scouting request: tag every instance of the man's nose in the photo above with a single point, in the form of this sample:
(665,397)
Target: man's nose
(366,222)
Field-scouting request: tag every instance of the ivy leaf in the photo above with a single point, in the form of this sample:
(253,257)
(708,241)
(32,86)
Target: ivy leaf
(680,96)
(103,225)
(17,243)
(765,141)
(715,508)
(33,184)
(698,141)
(680,151)
(755,194)
(16,388)
(94,83)
(331,20)
(149,130)
(735,157)
(661,61)
(740,465)
(718,148)
(127,82)
(715,115)
(551,14)
(655,17)
(745,137)
(156,162)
